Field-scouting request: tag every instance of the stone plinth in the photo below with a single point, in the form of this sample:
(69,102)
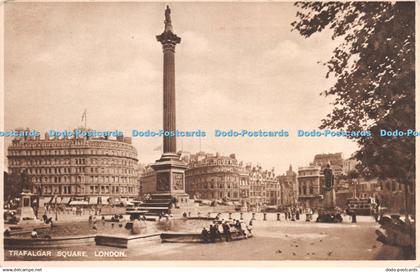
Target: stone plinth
(329,200)
(25,215)
(170,177)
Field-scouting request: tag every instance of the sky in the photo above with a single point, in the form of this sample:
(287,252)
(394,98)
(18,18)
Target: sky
(238,66)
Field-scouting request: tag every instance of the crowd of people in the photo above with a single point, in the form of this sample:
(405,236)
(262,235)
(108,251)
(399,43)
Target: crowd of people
(295,213)
(220,229)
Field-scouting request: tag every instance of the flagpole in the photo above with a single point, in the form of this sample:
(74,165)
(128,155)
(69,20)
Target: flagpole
(85,118)
(182,144)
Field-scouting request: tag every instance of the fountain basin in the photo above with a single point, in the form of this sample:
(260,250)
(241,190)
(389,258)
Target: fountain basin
(125,241)
(56,242)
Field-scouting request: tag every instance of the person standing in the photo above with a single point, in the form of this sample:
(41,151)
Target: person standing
(238,225)
(218,232)
(226,231)
(205,235)
(213,233)
(377,209)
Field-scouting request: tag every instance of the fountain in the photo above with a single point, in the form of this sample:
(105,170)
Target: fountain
(25,220)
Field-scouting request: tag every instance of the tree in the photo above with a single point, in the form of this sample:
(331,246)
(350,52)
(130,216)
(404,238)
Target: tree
(12,187)
(374,68)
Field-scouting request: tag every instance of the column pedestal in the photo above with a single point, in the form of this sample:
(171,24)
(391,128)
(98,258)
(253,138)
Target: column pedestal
(329,200)
(170,177)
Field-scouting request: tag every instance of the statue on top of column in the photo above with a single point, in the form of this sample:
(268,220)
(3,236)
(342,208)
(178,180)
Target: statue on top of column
(167,15)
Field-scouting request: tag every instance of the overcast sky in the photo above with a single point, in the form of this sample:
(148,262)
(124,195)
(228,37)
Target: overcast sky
(239,66)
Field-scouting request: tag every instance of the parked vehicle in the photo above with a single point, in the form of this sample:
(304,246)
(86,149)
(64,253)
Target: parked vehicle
(329,217)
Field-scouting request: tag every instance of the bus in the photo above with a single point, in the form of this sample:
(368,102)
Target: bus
(362,206)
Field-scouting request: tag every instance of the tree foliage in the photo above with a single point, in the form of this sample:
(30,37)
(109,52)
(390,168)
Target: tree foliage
(12,187)
(374,68)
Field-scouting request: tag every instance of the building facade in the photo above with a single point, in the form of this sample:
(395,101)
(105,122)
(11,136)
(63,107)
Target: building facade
(214,177)
(264,189)
(76,167)
(289,188)
(273,188)
(349,165)
(147,182)
(224,178)
(310,185)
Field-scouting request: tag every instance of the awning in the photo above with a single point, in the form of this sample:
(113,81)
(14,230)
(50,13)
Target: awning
(43,201)
(104,199)
(93,200)
(65,200)
(127,203)
(78,202)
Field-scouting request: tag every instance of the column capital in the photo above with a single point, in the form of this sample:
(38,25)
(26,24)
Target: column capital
(168,37)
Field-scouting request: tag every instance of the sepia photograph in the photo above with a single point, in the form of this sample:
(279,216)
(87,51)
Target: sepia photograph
(209,131)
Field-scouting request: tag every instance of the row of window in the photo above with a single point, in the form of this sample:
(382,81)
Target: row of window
(71,190)
(77,161)
(68,144)
(214,179)
(308,190)
(205,185)
(81,170)
(309,173)
(205,170)
(71,152)
(89,179)
(214,195)
(215,162)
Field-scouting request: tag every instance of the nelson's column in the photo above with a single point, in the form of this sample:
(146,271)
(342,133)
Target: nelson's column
(170,170)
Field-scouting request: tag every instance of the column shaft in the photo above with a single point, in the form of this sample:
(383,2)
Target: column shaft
(169,109)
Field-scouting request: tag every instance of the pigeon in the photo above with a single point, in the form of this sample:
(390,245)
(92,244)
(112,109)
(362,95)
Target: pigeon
(329,253)
(294,254)
(279,251)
